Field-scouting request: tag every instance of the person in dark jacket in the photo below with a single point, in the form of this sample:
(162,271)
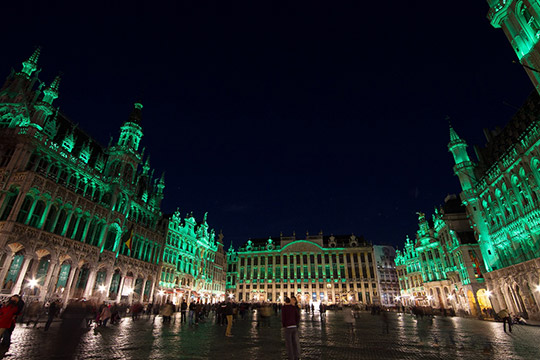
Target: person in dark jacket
(290,320)
(19,304)
(53,310)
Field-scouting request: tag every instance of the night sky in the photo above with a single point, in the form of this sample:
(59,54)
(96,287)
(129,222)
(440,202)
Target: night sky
(281,118)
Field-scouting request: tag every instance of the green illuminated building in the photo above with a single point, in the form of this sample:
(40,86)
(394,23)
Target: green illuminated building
(68,205)
(520,21)
(193,261)
(443,267)
(331,269)
(501,193)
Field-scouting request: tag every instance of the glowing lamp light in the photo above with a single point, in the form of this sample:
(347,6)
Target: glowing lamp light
(488,293)
(32,283)
(161,292)
(231,296)
(350,298)
(102,288)
(538,288)
(450,297)
(429,297)
(130,291)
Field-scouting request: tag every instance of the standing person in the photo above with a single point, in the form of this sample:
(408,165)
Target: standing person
(8,315)
(322,311)
(105,315)
(290,319)
(192,308)
(183,310)
(167,311)
(53,310)
(349,319)
(229,311)
(505,316)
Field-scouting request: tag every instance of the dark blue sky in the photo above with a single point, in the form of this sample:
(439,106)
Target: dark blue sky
(290,117)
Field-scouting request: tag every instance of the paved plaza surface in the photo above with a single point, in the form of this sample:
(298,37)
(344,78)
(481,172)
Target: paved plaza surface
(437,338)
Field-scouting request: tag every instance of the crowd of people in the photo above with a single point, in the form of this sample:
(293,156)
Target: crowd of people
(79,315)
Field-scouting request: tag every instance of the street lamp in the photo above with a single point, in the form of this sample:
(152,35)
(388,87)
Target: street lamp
(32,283)
(102,288)
(538,288)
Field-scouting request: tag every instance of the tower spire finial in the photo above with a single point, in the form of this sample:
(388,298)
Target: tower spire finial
(30,65)
(51,92)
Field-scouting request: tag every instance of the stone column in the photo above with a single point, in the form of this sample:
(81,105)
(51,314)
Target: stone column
(5,269)
(120,289)
(31,211)
(22,274)
(66,224)
(108,281)
(90,283)
(85,232)
(72,235)
(41,222)
(45,288)
(143,287)
(151,293)
(67,290)
(102,236)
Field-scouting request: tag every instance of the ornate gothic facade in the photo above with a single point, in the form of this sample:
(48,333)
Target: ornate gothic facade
(443,268)
(68,205)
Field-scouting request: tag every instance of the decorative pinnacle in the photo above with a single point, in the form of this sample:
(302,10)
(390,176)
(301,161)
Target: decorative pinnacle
(56,82)
(30,65)
(51,92)
(136,113)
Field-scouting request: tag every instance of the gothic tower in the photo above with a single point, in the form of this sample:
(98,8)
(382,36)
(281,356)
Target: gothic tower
(520,21)
(464,170)
(124,156)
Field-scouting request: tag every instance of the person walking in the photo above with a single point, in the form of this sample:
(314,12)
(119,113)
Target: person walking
(53,310)
(505,316)
(229,311)
(349,319)
(183,310)
(290,319)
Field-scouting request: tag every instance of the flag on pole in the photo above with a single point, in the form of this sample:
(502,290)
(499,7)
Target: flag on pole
(128,238)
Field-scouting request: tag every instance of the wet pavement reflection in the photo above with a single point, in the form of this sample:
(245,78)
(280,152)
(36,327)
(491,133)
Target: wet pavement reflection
(408,338)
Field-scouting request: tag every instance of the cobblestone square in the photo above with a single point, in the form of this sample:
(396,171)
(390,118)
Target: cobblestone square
(408,338)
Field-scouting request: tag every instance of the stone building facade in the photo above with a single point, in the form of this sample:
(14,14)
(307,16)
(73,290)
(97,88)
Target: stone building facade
(193,261)
(501,193)
(520,22)
(447,257)
(389,290)
(329,269)
(70,207)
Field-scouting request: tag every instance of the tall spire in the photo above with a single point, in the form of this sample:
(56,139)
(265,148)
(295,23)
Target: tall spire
(51,92)
(30,65)
(136,114)
(453,134)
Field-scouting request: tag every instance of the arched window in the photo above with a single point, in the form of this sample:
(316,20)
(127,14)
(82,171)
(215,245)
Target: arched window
(110,241)
(25,209)
(53,211)
(53,172)
(9,201)
(80,229)
(32,163)
(61,222)
(37,214)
